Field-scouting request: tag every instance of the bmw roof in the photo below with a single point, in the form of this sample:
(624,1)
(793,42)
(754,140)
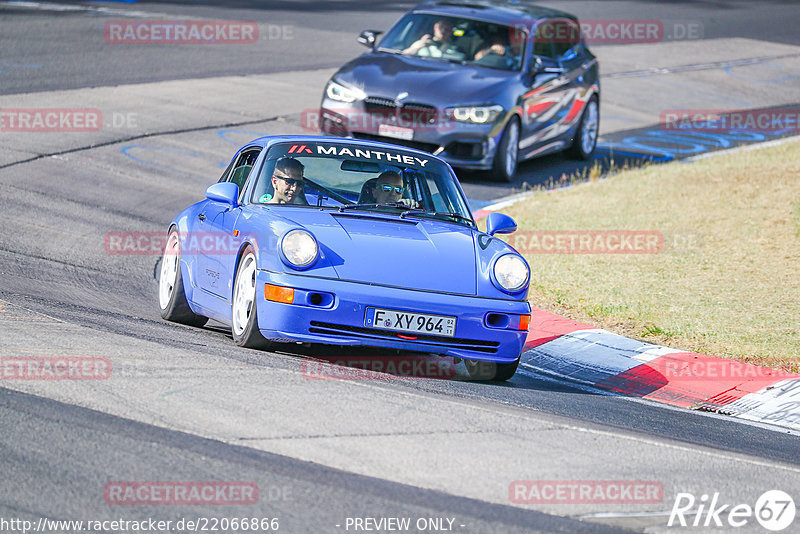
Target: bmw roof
(499,11)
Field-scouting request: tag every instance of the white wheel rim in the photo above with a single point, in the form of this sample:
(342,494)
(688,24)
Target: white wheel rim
(169,270)
(513,148)
(244,294)
(589,130)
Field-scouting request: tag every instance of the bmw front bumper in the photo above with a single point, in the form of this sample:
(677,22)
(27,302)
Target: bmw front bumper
(461,144)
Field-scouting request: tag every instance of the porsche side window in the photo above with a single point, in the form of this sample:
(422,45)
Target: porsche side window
(224,177)
(243,166)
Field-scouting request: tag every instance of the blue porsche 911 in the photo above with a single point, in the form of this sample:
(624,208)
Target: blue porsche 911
(338,241)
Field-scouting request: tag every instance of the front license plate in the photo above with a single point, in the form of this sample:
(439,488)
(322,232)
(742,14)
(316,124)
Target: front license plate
(398,132)
(418,323)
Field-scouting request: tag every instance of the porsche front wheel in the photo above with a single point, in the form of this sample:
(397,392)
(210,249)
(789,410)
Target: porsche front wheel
(498,372)
(244,317)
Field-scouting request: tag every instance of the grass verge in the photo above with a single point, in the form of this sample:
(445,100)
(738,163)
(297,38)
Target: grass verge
(726,281)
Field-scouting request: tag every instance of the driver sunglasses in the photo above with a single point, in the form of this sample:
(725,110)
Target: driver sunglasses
(290,181)
(387,187)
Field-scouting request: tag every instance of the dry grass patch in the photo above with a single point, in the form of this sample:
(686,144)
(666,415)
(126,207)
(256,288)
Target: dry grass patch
(728,280)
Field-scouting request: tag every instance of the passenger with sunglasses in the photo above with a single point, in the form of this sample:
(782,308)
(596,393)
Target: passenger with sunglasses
(287,183)
(389,188)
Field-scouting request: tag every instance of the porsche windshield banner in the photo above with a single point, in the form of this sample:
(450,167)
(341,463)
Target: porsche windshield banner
(368,154)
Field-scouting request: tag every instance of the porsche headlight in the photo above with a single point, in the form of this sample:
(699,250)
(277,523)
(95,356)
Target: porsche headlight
(474,114)
(340,93)
(511,272)
(299,248)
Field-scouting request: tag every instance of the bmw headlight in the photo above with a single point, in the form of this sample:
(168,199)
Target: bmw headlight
(299,248)
(474,114)
(339,92)
(511,272)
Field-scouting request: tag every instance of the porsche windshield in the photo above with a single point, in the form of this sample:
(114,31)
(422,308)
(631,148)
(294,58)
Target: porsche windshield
(458,40)
(351,177)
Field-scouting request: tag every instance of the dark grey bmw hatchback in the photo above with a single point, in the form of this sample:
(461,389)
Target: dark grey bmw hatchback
(482,84)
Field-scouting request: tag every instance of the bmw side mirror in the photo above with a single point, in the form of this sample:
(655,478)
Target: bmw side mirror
(537,65)
(225,192)
(368,38)
(497,223)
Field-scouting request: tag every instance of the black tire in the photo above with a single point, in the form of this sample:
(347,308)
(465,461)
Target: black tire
(506,158)
(172,300)
(579,149)
(498,372)
(249,336)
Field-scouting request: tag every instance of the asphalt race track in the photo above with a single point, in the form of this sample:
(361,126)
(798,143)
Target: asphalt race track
(185,404)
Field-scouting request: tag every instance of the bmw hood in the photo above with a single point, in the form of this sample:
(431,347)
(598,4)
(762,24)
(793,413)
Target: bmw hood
(410,253)
(427,81)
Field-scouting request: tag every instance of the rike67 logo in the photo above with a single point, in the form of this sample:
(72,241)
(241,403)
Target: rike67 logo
(774,510)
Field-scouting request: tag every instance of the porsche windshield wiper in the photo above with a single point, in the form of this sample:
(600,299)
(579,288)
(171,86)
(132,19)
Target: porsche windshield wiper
(434,214)
(399,205)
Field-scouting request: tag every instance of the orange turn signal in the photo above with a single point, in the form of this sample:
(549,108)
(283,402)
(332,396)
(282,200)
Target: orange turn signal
(524,322)
(278,293)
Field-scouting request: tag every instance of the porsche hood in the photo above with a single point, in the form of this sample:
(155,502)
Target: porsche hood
(410,253)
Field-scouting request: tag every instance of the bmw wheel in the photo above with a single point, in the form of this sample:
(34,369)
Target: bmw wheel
(244,319)
(498,372)
(507,155)
(171,295)
(586,136)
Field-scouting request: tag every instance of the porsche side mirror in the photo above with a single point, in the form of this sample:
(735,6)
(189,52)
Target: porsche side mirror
(225,192)
(497,223)
(368,38)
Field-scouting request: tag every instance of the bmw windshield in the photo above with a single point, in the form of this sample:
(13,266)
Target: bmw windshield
(456,39)
(349,177)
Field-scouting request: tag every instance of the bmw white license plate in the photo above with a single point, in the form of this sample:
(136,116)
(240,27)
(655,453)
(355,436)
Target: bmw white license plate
(398,132)
(417,323)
